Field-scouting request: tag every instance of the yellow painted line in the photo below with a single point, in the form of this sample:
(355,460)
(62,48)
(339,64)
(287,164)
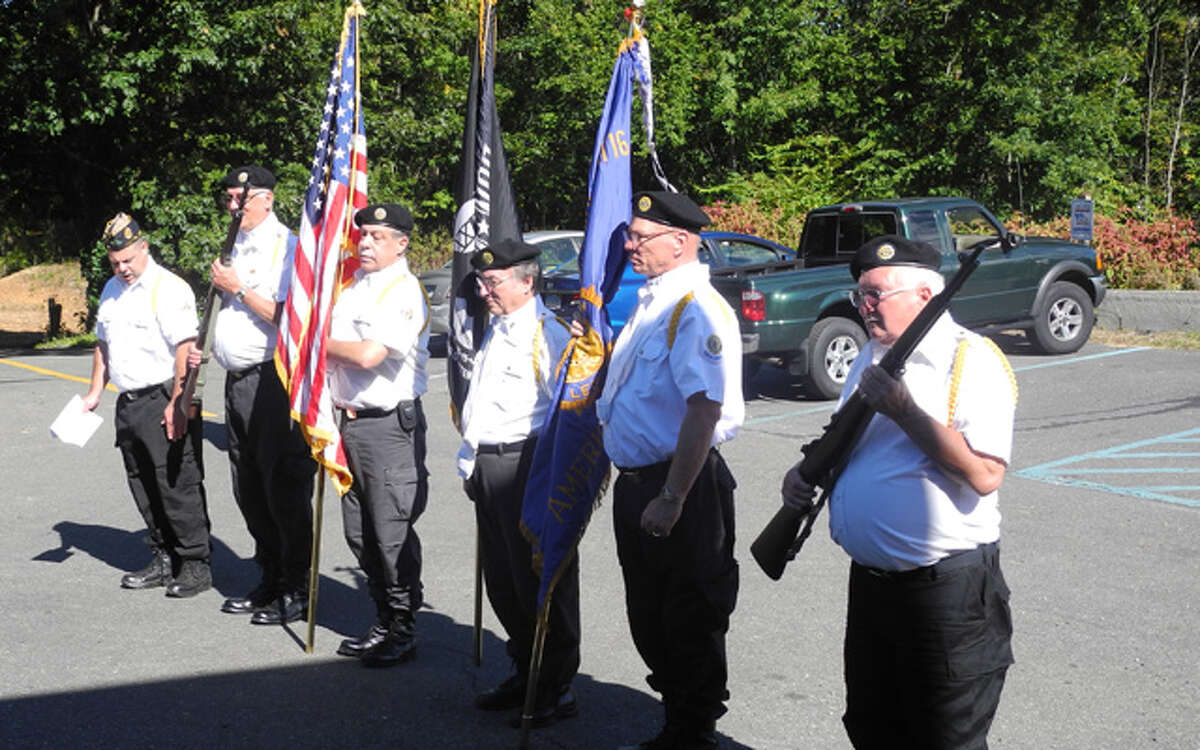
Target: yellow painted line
(64,376)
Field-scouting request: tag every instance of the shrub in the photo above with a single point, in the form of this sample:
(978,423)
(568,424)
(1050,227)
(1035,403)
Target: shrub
(750,218)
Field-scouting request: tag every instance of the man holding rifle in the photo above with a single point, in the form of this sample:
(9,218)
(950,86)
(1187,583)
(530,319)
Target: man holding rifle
(269,459)
(145,324)
(928,628)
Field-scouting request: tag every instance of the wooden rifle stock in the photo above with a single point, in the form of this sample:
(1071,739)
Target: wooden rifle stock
(212,304)
(824,457)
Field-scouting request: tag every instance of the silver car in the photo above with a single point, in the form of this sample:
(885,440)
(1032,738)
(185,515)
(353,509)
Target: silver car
(557,246)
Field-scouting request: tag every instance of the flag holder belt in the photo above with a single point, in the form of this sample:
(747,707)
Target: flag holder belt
(955,561)
(140,392)
(499,449)
(239,374)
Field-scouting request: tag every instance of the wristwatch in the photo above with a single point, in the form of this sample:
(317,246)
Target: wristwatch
(240,294)
(669,495)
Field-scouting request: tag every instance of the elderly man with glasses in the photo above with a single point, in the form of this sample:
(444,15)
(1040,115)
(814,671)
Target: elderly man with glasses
(928,629)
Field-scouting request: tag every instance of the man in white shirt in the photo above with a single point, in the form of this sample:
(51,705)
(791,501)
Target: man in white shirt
(145,323)
(378,348)
(510,398)
(270,462)
(928,626)
(672,395)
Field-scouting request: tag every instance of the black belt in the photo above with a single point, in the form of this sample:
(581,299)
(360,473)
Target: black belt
(140,392)
(239,374)
(955,561)
(646,473)
(374,413)
(499,449)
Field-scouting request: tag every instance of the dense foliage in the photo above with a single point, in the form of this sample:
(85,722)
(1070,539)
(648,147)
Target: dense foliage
(763,109)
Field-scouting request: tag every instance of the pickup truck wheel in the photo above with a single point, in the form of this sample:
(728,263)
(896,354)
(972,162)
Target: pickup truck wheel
(833,344)
(1065,320)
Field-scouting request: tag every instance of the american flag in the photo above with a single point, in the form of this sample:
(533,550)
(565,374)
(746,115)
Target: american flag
(325,259)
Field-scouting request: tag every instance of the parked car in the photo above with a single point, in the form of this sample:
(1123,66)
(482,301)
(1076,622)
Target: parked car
(559,247)
(718,250)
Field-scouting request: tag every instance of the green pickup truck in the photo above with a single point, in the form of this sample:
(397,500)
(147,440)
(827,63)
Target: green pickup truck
(797,314)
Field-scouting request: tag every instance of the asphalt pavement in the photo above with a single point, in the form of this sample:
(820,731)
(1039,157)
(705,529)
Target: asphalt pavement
(1101,521)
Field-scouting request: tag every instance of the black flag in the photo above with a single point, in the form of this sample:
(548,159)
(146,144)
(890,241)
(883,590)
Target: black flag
(487,211)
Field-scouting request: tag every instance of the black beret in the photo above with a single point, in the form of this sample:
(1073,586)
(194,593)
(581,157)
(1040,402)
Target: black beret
(504,254)
(894,250)
(120,231)
(388,214)
(672,209)
(252,175)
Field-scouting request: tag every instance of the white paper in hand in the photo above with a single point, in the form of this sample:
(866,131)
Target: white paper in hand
(75,425)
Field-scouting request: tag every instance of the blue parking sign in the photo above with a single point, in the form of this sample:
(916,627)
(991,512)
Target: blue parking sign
(1081,220)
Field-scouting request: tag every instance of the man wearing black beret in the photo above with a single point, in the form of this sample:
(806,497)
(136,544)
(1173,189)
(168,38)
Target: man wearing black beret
(928,628)
(510,398)
(673,394)
(270,462)
(378,348)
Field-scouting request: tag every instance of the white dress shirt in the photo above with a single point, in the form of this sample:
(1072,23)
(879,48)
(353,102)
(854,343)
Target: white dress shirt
(513,382)
(263,264)
(650,379)
(387,306)
(142,323)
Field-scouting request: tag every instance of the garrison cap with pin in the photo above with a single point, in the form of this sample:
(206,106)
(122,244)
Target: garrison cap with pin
(672,209)
(388,214)
(252,175)
(894,250)
(504,254)
(120,231)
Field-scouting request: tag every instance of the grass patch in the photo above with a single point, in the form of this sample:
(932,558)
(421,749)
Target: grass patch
(1157,340)
(68,341)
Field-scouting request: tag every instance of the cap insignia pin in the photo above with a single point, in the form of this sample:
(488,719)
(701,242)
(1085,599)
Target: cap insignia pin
(380,213)
(886,252)
(644,203)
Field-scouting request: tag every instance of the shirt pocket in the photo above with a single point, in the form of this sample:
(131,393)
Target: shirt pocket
(650,367)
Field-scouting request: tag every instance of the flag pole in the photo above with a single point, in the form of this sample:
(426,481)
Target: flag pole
(314,571)
(477,635)
(535,668)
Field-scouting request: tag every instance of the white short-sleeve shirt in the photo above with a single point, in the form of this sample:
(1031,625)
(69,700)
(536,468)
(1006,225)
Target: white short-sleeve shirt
(893,508)
(142,323)
(263,263)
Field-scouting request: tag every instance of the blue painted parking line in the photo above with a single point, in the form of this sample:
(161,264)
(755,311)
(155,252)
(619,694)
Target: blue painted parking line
(1116,463)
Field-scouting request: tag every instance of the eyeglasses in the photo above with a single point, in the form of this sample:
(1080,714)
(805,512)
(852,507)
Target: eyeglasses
(489,284)
(859,296)
(640,239)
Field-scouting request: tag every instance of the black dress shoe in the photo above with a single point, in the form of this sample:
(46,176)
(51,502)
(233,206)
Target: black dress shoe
(259,597)
(399,645)
(356,647)
(546,713)
(289,607)
(507,695)
(194,576)
(157,573)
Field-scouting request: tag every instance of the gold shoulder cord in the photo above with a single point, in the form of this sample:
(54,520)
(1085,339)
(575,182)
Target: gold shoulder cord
(675,316)
(960,356)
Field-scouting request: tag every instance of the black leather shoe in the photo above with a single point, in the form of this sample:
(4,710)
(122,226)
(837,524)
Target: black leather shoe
(563,707)
(289,607)
(356,647)
(157,573)
(194,576)
(507,695)
(262,595)
(399,645)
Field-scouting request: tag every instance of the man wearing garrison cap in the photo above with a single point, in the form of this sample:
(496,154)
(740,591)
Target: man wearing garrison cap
(510,399)
(270,462)
(928,628)
(673,394)
(378,348)
(145,323)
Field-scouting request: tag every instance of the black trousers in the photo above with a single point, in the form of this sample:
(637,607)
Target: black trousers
(926,653)
(391,487)
(272,470)
(680,590)
(166,478)
(498,484)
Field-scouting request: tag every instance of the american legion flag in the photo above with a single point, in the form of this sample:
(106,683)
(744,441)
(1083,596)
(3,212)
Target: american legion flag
(325,260)
(570,468)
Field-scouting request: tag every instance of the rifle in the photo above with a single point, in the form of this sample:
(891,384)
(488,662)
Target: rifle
(212,304)
(825,457)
